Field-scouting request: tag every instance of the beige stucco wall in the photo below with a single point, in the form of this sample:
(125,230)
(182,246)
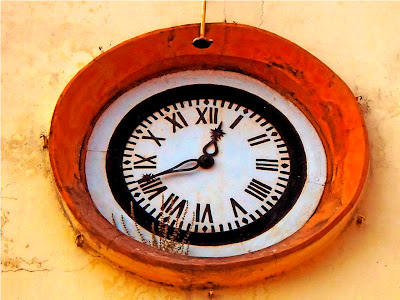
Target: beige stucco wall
(43,45)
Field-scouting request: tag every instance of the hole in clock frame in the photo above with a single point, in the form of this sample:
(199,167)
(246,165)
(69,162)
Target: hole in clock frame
(142,110)
(202,43)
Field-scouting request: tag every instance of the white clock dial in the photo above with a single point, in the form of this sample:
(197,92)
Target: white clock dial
(264,183)
(249,176)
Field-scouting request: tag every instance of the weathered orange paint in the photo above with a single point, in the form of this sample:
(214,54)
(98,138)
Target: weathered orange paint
(319,93)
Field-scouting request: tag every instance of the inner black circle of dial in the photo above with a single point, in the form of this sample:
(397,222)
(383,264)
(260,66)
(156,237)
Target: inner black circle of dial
(148,107)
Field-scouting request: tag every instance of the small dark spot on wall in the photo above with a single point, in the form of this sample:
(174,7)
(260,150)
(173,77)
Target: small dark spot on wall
(79,240)
(360,219)
(363,104)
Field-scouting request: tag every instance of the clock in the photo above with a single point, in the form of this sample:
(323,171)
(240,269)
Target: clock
(193,166)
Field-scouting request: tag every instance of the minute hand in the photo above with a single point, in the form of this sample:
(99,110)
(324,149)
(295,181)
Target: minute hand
(175,169)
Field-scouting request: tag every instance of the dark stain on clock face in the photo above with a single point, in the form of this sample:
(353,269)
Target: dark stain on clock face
(154,171)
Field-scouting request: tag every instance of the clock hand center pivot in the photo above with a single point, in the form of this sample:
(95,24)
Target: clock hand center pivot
(205,161)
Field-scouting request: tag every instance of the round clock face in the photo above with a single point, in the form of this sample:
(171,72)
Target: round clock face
(213,160)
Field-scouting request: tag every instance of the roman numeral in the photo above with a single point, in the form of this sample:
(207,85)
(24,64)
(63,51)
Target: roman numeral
(258,189)
(206,212)
(170,208)
(151,136)
(175,123)
(259,139)
(151,160)
(236,205)
(267,164)
(153,187)
(234,124)
(212,115)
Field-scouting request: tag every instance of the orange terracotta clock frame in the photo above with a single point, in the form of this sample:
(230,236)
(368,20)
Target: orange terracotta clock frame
(318,92)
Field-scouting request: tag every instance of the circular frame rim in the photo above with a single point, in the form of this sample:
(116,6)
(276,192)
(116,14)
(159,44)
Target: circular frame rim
(319,93)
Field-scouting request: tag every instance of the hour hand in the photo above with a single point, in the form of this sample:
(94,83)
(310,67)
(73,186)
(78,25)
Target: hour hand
(216,135)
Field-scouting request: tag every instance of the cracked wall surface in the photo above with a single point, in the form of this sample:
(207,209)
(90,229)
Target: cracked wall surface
(44,44)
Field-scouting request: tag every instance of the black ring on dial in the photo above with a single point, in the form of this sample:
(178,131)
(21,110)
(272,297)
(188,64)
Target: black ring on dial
(298,172)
